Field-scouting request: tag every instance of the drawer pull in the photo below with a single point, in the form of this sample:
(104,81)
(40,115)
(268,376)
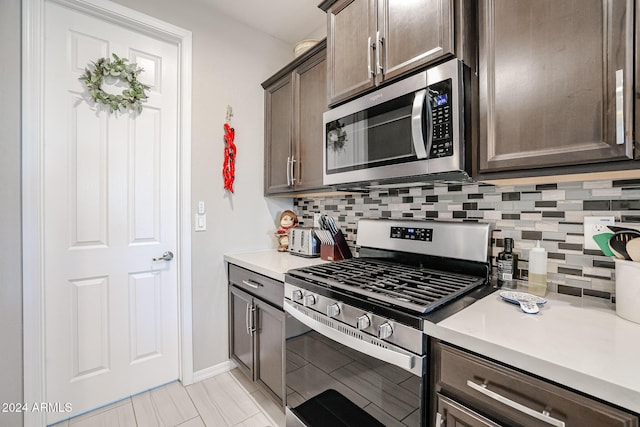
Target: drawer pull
(251,284)
(542,416)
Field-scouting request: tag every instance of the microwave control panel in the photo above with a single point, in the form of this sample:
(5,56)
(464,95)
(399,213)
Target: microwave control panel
(442,118)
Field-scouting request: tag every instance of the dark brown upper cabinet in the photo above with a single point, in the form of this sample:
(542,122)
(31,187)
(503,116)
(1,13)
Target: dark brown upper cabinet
(372,41)
(295,99)
(555,82)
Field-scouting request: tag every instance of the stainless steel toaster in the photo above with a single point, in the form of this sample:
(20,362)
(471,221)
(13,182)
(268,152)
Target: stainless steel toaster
(303,242)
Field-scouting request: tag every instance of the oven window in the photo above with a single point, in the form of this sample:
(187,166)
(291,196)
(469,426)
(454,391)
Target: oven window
(378,136)
(322,372)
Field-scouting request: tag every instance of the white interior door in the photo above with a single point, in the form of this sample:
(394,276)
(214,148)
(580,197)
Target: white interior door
(110,206)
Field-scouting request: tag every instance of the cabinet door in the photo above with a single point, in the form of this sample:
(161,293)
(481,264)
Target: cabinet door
(278,133)
(241,341)
(556,79)
(414,33)
(350,36)
(453,414)
(311,102)
(270,356)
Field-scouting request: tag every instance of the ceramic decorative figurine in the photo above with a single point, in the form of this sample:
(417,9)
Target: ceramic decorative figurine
(288,220)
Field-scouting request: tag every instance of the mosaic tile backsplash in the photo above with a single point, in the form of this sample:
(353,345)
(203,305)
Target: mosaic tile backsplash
(551,213)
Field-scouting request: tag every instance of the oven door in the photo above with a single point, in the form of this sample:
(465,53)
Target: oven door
(337,377)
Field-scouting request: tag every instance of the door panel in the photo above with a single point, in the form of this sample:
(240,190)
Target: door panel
(145,311)
(351,32)
(241,341)
(415,33)
(89,327)
(312,103)
(270,347)
(87,175)
(279,128)
(144,187)
(548,86)
(110,203)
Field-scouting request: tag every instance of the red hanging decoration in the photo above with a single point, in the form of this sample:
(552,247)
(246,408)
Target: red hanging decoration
(229,166)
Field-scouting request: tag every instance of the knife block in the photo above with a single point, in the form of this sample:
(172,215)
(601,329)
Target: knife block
(329,252)
(338,251)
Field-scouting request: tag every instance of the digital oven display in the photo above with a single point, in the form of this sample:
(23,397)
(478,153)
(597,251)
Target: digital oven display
(411,233)
(441,100)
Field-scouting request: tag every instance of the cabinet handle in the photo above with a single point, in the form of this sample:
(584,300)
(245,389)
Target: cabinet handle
(288,170)
(252,319)
(369,48)
(619,107)
(542,416)
(246,319)
(252,284)
(293,178)
(379,42)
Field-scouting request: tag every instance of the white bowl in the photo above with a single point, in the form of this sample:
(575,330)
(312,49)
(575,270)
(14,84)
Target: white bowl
(304,45)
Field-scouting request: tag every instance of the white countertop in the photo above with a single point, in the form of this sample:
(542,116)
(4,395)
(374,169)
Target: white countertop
(270,263)
(577,342)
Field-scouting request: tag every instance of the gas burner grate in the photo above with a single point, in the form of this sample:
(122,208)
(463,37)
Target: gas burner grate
(417,289)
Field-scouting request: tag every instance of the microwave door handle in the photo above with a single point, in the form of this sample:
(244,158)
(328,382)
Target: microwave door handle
(416,125)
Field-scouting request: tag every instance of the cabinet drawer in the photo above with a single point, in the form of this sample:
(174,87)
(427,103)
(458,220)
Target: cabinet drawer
(506,395)
(263,287)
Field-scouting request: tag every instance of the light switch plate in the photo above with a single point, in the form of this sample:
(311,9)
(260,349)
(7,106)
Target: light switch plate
(594,225)
(201,222)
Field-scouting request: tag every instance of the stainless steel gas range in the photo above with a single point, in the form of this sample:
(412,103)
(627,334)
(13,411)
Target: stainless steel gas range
(356,353)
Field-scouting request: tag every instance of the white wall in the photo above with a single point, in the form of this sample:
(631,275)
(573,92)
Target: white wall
(10,211)
(229,63)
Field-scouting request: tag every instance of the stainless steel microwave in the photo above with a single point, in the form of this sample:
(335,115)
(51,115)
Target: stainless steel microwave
(412,130)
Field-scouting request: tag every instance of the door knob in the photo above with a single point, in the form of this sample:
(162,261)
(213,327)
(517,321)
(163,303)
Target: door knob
(167,256)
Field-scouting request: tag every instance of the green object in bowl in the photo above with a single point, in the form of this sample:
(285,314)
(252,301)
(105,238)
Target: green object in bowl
(603,243)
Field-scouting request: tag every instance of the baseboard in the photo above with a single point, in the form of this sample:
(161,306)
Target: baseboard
(212,371)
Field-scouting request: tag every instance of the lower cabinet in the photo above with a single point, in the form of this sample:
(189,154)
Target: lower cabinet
(472,391)
(256,329)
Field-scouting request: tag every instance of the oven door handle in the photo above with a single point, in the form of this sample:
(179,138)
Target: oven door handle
(422,149)
(397,357)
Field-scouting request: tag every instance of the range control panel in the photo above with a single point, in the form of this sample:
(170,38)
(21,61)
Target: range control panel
(410,233)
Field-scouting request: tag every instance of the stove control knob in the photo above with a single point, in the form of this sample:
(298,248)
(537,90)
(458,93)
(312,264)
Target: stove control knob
(296,295)
(385,330)
(363,322)
(333,310)
(309,300)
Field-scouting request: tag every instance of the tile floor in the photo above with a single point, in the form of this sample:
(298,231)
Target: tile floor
(226,400)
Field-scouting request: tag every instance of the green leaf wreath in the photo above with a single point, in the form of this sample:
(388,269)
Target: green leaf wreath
(130,98)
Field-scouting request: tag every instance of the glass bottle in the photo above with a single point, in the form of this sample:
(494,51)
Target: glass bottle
(507,263)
